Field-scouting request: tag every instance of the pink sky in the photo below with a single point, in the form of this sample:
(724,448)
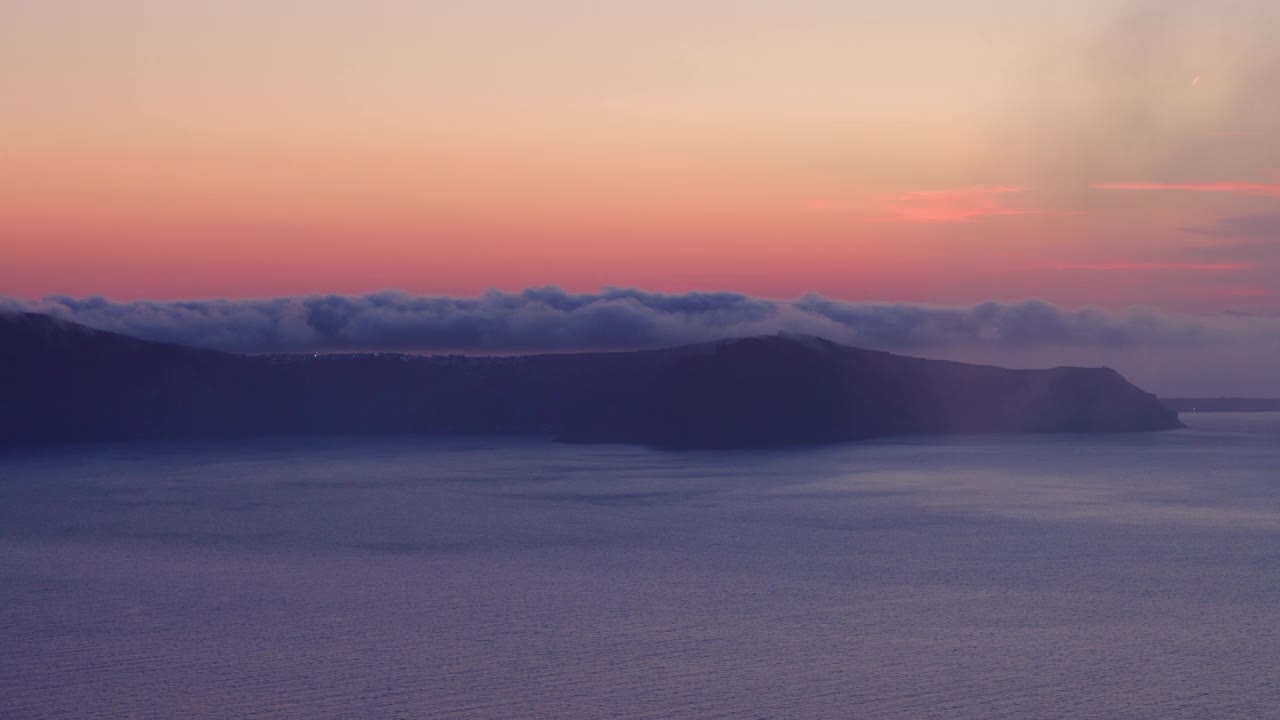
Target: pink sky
(181,149)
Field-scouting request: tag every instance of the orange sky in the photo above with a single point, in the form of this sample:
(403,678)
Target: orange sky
(924,153)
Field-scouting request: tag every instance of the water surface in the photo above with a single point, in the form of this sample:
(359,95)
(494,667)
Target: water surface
(1124,576)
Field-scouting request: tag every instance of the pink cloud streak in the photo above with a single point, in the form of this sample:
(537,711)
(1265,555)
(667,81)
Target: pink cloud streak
(1238,188)
(1114,267)
(1233,292)
(952,205)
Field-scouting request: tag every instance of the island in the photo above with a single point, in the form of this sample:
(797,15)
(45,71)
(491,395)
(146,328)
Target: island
(63,382)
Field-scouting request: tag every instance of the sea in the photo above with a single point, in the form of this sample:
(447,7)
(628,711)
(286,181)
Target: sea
(1023,577)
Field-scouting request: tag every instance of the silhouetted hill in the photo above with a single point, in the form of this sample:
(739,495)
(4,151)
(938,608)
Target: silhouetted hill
(64,382)
(794,390)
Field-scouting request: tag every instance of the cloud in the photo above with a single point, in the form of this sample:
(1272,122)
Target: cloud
(1260,226)
(1243,292)
(1120,105)
(1165,352)
(951,205)
(1236,188)
(550,319)
(1141,266)
(1252,237)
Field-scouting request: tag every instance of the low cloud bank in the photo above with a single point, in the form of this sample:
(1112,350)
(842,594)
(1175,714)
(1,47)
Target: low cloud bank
(1167,353)
(549,319)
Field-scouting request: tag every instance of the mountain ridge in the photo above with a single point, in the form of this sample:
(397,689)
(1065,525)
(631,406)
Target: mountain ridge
(65,382)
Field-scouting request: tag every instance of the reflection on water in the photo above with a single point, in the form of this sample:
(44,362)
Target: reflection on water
(1133,576)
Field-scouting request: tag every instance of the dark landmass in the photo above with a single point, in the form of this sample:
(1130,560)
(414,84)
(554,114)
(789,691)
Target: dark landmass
(1221,404)
(62,382)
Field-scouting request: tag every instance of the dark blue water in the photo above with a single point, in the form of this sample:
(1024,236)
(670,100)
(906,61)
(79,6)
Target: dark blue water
(1111,577)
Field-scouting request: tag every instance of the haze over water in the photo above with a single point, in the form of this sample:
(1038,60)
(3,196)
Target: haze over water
(1131,576)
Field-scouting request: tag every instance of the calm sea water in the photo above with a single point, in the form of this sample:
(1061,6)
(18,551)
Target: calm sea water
(1112,577)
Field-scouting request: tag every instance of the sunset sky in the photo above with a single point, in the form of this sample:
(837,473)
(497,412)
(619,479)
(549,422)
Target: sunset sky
(919,151)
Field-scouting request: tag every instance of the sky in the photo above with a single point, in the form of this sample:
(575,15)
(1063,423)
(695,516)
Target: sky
(925,152)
